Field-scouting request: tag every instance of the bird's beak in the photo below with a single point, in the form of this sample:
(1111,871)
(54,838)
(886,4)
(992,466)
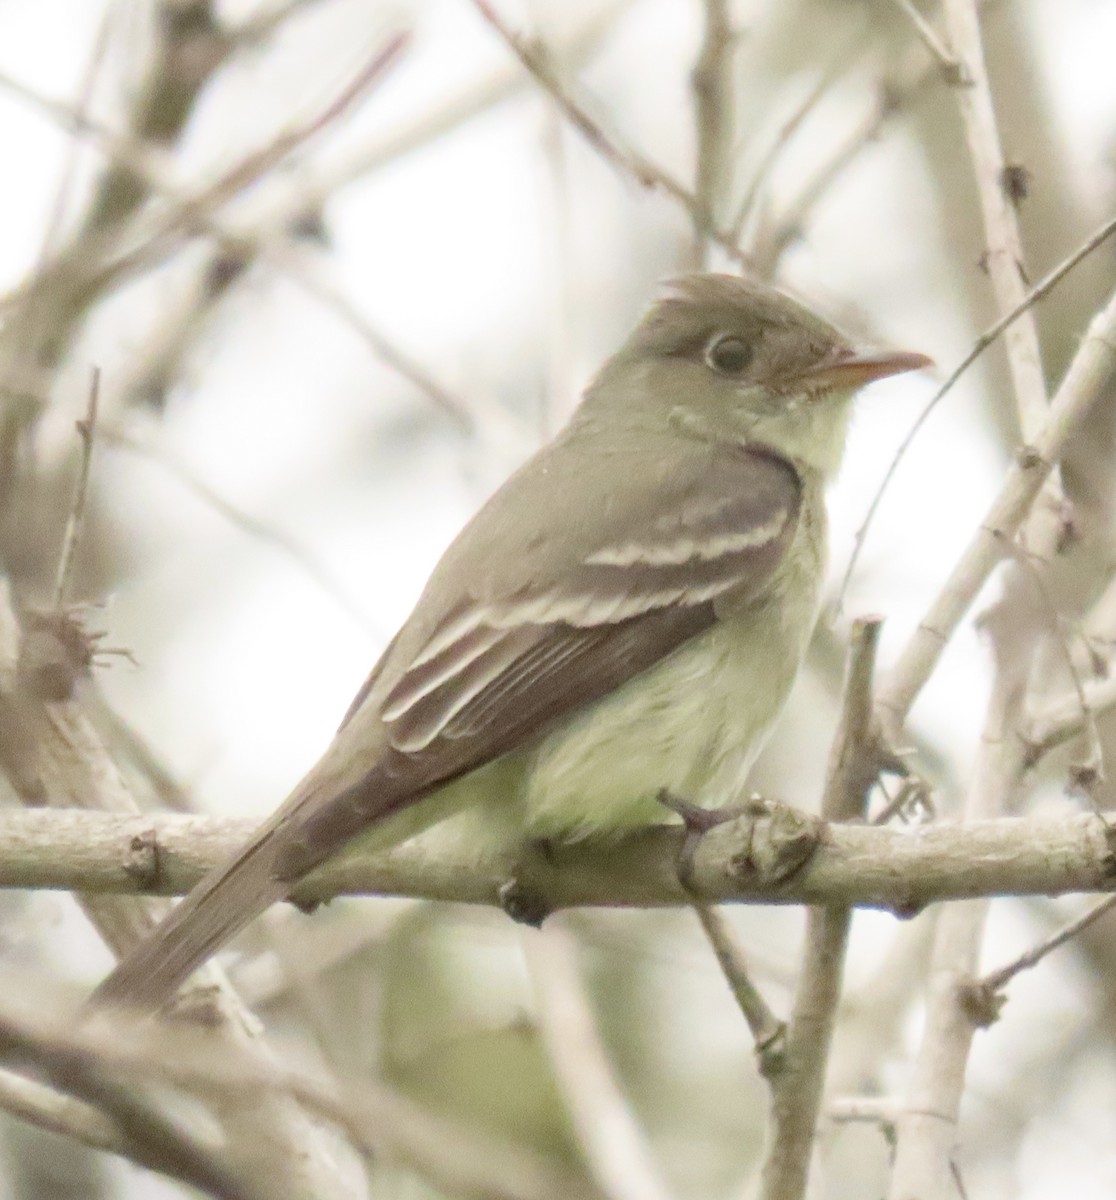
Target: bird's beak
(847,368)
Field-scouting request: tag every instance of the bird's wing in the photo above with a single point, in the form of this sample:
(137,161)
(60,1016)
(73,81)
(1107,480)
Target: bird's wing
(551,628)
(628,574)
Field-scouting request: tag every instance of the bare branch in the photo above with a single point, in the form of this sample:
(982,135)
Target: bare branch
(902,870)
(713,113)
(147,1136)
(986,339)
(768,1031)
(86,429)
(1004,256)
(615,1146)
(1066,718)
(631,163)
(1083,383)
(930,39)
(52,755)
(996,980)
(796,1089)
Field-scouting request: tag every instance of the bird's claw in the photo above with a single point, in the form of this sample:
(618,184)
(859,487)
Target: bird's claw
(699,821)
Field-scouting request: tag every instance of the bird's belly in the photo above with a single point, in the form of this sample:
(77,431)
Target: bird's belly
(693,724)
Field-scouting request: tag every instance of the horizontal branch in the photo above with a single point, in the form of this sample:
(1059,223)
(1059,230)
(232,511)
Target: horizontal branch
(783,858)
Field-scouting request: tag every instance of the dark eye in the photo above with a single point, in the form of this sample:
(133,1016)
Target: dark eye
(729,355)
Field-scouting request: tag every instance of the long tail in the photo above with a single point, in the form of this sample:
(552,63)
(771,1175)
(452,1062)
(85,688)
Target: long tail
(222,904)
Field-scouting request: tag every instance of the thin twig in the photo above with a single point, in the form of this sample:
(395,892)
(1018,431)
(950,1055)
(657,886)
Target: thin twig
(631,163)
(796,1090)
(256,528)
(1083,382)
(926,1130)
(87,430)
(1066,718)
(712,82)
(930,40)
(1005,259)
(614,1145)
(453,109)
(460,411)
(996,980)
(986,339)
(149,1137)
(768,1031)
(856,45)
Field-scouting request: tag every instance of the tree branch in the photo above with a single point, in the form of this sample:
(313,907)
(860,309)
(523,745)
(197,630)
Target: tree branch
(1084,381)
(796,1089)
(867,866)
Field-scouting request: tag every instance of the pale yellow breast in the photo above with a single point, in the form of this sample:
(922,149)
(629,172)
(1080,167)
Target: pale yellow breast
(693,724)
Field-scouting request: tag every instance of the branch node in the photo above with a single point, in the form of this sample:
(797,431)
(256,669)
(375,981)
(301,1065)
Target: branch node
(55,652)
(524,906)
(771,1052)
(779,847)
(1015,179)
(1028,457)
(142,860)
(980,1002)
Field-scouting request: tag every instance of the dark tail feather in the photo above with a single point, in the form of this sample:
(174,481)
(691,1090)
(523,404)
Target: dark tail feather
(225,901)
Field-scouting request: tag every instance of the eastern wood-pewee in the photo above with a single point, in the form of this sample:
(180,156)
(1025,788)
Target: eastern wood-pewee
(625,615)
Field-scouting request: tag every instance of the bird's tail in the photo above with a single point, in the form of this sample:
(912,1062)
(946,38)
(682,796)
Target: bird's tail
(225,901)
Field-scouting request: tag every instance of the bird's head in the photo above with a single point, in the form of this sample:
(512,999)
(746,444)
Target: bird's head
(734,358)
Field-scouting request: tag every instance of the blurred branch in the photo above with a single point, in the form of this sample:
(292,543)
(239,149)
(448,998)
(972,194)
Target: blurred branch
(1063,719)
(996,980)
(238,251)
(98,271)
(986,339)
(926,1128)
(841,63)
(796,1088)
(1084,382)
(86,430)
(612,1141)
(380,1122)
(144,1134)
(1004,257)
(712,80)
(629,162)
(902,870)
(455,108)
(52,755)
(931,41)
(43,1106)
(768,1031)
(254,527)
(189,48)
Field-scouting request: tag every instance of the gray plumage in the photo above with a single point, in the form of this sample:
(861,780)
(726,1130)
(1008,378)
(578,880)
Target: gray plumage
(656,563)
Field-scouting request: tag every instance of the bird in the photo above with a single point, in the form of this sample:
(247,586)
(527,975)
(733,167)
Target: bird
(622,619)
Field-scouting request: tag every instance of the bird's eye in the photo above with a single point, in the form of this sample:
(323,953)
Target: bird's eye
(729,355)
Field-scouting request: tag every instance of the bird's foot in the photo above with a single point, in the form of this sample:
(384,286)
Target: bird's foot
(699,821)
(777,840)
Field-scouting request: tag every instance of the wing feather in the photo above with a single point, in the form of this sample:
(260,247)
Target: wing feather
(555,626)
(488,656)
